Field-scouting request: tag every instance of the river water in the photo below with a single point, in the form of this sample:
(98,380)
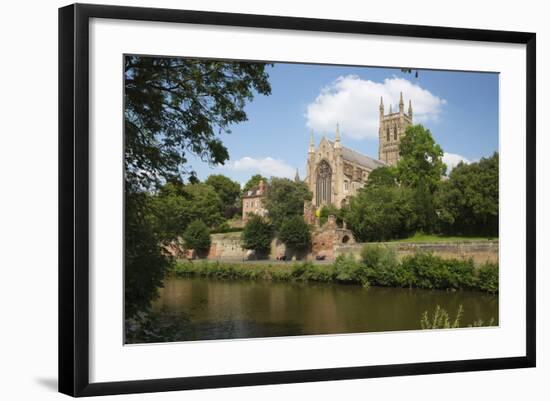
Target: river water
(209,309)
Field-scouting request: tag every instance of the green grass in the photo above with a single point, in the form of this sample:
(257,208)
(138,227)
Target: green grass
(420,237)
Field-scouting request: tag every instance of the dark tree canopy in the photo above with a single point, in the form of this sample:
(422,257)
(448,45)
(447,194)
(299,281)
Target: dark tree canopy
(381,213)
(144,260)
(295,233)
(257,235)
(177,205)
(285,198)
(228,191)
(197,236)
(468,202)
(382,177)
(176,106)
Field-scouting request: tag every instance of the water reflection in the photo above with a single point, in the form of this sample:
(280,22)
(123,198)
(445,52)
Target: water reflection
(216,309)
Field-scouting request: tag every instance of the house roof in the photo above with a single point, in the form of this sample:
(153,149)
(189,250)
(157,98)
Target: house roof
(253,192)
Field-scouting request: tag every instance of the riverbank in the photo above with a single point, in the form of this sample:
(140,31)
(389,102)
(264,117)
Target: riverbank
(378,267)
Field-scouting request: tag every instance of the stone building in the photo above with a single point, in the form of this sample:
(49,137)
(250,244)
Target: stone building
(392,128)
(336,172)
(253,201)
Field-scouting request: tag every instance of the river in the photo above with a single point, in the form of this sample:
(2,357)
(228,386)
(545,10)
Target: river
(210,309)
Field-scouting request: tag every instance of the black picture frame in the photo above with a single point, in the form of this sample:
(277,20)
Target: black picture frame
(74,198)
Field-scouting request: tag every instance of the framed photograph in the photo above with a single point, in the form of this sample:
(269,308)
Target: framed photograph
(251,199)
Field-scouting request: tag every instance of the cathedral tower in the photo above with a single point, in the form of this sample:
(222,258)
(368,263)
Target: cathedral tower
(392,128)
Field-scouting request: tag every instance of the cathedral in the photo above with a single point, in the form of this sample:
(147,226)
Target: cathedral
(335,172)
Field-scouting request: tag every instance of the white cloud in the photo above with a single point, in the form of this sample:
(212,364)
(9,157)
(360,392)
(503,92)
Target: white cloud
(452,160)
(353,102)
(266,166)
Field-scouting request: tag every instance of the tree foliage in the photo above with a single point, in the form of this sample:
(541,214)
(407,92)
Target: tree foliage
(197,236)
(174,107)
(285,198)
(295,233)
(228,191)
(257,235)
(416,196)
(383,177)
(468,202)
(175,206)
(381,213)
(145,263)
(420,159)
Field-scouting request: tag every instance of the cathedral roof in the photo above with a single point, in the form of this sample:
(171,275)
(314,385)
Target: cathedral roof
(359,158)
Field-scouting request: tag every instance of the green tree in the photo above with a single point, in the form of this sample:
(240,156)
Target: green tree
(381,213)
(257,235)
(144,259)
(420,159)
(421,168)
(383,177)
(228,191)
(173,107)
(177,205)
(468,202)
(176,106)
(295,233)
(285,198)
(197,236)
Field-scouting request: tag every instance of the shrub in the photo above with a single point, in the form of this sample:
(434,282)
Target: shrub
(328,210)
(383,268)
(197,236)
(312,272)
(488,277)
(257,235)
(431,271)
(295,233)
(348,270)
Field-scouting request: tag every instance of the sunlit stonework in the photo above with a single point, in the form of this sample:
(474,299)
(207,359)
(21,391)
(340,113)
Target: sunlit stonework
(336,172)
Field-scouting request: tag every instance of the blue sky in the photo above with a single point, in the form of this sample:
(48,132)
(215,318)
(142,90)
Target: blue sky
(459,108)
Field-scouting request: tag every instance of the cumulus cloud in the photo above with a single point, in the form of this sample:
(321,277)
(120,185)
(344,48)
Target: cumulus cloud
(452,160)
(266,166)
(353,102)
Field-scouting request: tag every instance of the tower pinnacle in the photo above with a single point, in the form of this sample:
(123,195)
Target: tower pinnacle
(401,104)
(337,143)
(297,176)
(311,143)
(410,109)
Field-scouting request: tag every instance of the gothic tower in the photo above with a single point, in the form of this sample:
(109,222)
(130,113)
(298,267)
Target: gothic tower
(392,128)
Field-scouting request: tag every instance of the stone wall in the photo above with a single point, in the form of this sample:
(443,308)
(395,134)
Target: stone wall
(479,251)
(228,246)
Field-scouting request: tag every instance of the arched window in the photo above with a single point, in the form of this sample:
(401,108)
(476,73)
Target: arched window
(395,133)
(388,134)
(323,188)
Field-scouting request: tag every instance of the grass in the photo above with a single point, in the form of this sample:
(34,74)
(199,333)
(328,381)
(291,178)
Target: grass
(420,237)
